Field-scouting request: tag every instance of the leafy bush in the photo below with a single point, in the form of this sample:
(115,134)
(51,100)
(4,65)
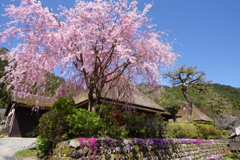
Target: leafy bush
(65,122)
(192,130)
(42,146)
(225,133)
(181,130)
(120,125)
(110,124)
(144,126)
(112,129)
(206,131)
(234,155)
(2,135)
(65,104)
(83,123)
(173,108)
(53,126)
(34,132)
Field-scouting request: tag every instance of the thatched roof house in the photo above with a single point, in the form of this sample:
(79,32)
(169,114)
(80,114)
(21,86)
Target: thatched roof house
(197,115)
(21,118)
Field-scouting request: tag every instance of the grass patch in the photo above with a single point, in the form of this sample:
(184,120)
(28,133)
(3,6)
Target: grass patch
(26,153)
(231,156)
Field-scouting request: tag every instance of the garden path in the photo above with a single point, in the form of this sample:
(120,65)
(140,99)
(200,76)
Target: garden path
(8,146)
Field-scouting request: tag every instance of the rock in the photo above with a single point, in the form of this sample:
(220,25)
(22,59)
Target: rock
(70,158)
(72,152)
(74,144)
(79,153)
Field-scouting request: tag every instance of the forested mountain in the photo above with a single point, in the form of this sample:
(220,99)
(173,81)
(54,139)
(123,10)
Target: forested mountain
(231,93)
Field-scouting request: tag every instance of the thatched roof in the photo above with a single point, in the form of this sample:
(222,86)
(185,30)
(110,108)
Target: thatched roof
(142,100)
(30,101)
(197,115)
(137,99)
(33,100)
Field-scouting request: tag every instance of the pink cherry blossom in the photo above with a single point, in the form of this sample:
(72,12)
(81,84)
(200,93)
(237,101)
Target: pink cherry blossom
(97,44)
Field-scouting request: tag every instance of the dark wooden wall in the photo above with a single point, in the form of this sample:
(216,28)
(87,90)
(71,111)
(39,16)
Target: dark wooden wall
(25,120)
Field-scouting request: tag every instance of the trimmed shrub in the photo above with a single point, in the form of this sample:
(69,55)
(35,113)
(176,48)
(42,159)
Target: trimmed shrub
(206,131)
(181,130)
(83,123)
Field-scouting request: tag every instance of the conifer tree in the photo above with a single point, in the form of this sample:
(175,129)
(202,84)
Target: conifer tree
(188,78)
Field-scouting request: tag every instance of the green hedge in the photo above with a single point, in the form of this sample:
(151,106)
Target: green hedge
(192,130)
(181,130)
(206,131)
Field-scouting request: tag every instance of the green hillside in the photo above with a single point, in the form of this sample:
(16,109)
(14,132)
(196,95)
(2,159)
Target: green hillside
(216,101)
(231,94)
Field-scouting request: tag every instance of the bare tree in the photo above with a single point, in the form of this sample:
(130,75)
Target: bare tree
(188,78)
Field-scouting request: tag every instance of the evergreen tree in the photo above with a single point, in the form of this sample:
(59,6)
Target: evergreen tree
(188,78)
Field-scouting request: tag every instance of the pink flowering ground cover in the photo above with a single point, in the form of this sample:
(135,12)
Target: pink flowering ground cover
(217,156)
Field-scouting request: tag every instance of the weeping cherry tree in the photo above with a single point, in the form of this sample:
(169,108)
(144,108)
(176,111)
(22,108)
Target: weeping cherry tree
(95,45)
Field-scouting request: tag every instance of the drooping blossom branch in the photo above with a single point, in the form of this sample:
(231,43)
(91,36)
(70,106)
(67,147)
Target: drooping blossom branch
(96,45)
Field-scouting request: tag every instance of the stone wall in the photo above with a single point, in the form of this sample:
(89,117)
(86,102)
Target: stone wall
(150,149)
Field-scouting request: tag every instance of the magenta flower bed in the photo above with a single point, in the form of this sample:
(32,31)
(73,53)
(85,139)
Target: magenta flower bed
(217,156)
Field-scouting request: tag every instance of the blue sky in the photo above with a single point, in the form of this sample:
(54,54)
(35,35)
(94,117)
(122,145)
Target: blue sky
(207,33)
